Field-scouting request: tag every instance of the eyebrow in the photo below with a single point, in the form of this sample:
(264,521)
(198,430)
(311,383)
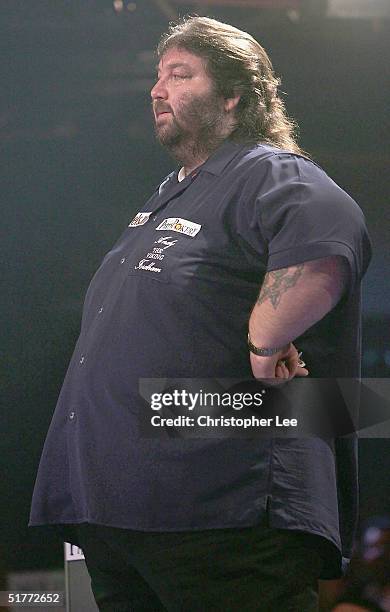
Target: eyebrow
(176,65)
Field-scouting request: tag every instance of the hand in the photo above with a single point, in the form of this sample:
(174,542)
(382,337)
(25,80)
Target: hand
(280,368)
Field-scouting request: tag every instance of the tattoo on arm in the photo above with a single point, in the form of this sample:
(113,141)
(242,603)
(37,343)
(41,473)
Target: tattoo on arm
(278,282)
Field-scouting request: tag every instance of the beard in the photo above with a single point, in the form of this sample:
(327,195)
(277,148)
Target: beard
(195,129)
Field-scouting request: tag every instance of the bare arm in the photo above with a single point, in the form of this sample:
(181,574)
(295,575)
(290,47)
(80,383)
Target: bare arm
(290,301)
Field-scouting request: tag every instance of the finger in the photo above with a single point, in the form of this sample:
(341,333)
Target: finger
(302,372)
(298,371)
(284,369)
(290,367)
(279,371)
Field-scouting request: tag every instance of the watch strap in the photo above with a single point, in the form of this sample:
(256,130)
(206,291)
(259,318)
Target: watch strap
(264,352)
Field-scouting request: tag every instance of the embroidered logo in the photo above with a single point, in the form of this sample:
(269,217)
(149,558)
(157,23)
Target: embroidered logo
(175,224)
(140,219)
(164,240)
(146,264)
(157,254)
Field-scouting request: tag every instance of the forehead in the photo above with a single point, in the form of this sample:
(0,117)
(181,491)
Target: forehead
(177,56)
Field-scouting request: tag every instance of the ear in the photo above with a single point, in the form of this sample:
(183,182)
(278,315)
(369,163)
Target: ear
(231,103)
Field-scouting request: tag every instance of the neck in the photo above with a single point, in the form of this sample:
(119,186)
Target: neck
(192,152)
(191,155)
(188,168)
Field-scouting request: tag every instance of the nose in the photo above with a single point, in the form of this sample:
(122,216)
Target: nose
(159,91)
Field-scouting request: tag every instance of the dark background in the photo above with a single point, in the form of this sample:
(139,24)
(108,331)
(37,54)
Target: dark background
(78,159)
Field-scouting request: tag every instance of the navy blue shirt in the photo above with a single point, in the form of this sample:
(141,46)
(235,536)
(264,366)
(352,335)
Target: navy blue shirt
(173,299)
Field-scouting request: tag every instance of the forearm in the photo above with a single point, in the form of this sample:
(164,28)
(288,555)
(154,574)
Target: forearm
(292,299)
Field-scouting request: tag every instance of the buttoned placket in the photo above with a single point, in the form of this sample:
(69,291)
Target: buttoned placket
(179,188)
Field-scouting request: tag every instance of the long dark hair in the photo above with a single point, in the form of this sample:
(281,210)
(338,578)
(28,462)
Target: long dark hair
(238,64)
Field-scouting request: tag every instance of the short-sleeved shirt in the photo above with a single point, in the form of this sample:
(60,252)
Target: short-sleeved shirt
(172,299)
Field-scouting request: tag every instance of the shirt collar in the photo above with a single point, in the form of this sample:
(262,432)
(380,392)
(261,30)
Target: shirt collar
(217,162)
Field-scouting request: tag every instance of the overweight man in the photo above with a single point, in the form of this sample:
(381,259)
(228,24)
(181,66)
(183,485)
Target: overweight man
(244,255)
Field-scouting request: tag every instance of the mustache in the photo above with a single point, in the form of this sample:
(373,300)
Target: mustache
(161,107)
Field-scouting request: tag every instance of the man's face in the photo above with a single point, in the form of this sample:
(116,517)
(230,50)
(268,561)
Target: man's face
(186,106)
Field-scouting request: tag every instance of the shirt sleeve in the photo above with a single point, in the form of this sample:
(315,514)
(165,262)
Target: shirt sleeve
(300,214)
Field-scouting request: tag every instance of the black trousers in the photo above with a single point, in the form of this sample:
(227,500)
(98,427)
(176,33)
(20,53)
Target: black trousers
(229,570)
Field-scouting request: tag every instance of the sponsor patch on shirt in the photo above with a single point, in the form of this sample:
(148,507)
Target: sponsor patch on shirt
(139,219)
(175,224)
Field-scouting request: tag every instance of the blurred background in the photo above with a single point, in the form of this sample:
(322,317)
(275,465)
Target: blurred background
(79,158)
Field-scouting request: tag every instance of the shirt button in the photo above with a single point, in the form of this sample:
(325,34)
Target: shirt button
(100,309)
(71,416)
(123,260)
(82,359)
